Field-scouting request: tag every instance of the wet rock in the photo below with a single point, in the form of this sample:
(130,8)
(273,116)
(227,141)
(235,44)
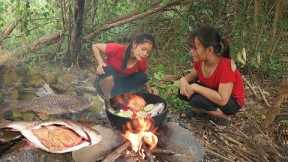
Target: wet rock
(50,77)
(98,104)
(5,56)
(8,75)
(64,84)
(33,78)
(85,116)
(20,116)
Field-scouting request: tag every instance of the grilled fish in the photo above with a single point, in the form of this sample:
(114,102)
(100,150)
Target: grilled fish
(58,136)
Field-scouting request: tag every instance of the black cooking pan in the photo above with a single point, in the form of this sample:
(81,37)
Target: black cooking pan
(119,122)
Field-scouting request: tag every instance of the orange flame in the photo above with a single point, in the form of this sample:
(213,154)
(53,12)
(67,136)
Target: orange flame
(140,131)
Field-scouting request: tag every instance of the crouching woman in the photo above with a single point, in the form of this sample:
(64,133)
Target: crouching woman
(125,66)
(214,84)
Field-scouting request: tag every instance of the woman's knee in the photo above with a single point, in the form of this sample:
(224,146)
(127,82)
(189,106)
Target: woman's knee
(202,102)
(197,99)
(232,107)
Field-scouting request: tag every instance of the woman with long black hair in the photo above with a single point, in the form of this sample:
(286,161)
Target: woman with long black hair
(124,69)
(214,84)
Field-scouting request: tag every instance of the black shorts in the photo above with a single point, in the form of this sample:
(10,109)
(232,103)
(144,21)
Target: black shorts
(199,101)
(122,83)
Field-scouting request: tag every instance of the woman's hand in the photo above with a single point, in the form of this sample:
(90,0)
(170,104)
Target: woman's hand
(99,69)
(152,90)
(191,89)
(184,87)
(98,48)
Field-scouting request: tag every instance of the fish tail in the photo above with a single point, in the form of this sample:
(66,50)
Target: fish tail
(5,147)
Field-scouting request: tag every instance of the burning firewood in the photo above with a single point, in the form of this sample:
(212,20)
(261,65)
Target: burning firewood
(116,153)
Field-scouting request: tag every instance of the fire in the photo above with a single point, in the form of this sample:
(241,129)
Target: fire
(140,132)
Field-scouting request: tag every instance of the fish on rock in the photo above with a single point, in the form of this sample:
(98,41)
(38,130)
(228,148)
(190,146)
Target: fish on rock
(53,104)
(58,136)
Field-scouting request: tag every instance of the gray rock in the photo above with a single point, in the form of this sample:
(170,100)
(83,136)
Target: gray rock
(181,141)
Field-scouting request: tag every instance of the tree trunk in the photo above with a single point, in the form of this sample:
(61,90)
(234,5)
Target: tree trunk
(75,42)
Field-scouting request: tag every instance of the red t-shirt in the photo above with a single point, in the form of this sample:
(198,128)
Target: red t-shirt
(223,74)
(115,56)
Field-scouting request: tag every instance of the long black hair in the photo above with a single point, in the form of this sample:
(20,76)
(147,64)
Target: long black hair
(138,39)
(210,37)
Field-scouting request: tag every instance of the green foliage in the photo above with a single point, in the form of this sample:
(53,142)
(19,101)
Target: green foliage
(167,90)
(34,19)
(274,68)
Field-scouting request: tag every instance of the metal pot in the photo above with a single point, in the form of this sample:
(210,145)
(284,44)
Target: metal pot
(119,122)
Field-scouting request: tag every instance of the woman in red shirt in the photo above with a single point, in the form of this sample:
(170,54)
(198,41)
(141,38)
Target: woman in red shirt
(124,69)
(214,83)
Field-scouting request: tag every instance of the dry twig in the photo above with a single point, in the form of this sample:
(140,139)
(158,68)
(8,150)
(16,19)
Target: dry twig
(251,87)
(218,155)
(263,96)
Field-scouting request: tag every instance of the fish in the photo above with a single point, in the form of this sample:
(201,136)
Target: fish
(58,136)
(6,146)
(53,104)
(8,139)
(128,101)
(6,135)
